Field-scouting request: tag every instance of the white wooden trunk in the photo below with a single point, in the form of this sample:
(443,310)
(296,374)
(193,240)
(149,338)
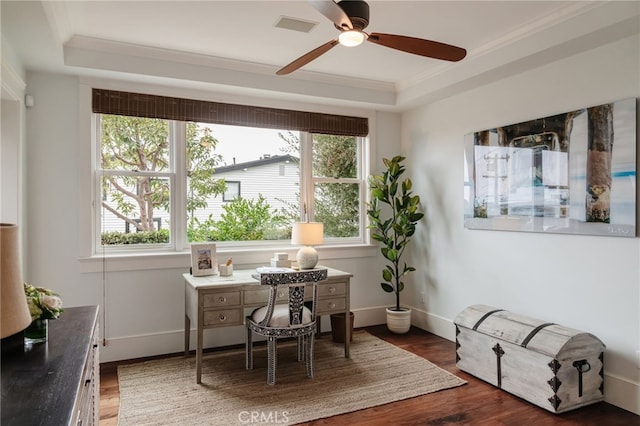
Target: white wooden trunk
(554,367)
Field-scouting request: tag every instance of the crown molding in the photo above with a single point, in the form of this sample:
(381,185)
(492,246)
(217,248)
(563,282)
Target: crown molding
(100,54)
(58,19)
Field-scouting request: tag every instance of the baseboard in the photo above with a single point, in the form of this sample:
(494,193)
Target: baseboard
(145,345)
(433,323)
(369,316)
(622,393)
(619,391)
(170,342)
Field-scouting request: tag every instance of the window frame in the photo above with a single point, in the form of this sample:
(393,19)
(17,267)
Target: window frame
(92,257)
(176,175)
(236,193)
(171,175)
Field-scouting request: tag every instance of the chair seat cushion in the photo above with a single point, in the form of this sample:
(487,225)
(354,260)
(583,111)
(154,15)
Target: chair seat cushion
(280,317)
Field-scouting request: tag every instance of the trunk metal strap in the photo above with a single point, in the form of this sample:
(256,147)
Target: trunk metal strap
(533,332)
(484,317)
(497,349)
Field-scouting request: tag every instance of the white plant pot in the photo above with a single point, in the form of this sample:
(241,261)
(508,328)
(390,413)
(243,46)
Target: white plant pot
(399,322)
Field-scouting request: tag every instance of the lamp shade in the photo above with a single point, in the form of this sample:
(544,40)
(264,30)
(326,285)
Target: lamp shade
(14,315)
(307,233)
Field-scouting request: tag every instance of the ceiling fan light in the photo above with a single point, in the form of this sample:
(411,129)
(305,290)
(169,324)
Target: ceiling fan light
(351,38)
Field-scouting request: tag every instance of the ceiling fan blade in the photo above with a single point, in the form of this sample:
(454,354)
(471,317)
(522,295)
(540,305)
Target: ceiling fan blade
(307,57)
(419,46)
(334,12)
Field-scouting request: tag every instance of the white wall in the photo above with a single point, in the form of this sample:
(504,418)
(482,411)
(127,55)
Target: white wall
(583,282)
(12,140)
(12,89)
(10,170)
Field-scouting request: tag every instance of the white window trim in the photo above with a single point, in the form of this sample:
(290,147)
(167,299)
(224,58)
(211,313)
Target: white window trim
(92,260)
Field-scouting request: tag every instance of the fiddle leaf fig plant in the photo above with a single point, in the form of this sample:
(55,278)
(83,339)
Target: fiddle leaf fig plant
(393,214)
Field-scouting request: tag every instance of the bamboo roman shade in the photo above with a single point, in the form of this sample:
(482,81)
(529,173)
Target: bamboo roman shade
(152,106)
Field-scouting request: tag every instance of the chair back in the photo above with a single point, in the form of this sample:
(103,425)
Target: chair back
(296,282)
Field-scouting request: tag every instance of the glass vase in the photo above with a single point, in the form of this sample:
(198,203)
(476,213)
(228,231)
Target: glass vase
(37,332)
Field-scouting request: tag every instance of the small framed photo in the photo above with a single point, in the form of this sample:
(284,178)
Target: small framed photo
(203,259)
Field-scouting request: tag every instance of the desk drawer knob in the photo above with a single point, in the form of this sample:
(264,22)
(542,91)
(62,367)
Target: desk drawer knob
(222,317)
(332,289)
(280,294)
(332,305)
(222,299)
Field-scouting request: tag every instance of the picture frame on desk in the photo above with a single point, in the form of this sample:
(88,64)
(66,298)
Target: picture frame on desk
(203,259)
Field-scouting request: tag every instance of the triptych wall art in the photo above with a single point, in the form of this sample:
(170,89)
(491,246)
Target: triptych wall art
(571,173)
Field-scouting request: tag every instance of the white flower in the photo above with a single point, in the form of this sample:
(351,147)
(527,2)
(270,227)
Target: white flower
(51,302)
(43,303)
(34,309)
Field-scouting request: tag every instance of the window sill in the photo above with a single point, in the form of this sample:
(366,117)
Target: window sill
(114,262)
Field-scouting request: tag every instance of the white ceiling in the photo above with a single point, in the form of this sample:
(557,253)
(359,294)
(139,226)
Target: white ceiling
(234,45)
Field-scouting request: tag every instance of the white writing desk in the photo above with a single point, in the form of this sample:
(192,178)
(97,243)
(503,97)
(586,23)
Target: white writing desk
(214,301)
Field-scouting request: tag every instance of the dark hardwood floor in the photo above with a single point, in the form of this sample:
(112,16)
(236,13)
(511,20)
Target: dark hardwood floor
(476,403)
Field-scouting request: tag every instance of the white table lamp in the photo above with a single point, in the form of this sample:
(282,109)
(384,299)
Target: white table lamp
(307,234)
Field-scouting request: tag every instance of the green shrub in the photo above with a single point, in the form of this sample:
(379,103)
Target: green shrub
(121,238)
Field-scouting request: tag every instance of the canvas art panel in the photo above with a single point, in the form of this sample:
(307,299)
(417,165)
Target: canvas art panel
(572,173)
(203,260)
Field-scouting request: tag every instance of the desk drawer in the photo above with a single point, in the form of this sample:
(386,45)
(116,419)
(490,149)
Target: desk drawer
(223,317)
(260,297)
(325,306)
(221,299)
(332,289)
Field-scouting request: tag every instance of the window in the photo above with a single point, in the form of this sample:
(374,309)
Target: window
(336,185)
(164,183)
(135,179)
(232,191)
(249,158)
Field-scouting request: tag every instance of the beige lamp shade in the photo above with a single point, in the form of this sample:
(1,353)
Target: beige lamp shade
(307,234)
(14,315)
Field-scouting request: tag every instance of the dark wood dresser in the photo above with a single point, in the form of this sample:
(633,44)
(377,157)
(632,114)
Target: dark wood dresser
(57,382)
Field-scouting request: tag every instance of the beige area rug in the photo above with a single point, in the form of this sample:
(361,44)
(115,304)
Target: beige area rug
(164,392)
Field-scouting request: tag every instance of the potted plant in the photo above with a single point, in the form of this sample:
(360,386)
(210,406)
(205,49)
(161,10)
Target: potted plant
(393,214)
(44,305)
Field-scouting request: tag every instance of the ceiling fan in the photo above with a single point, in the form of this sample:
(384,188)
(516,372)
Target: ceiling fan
(351,17)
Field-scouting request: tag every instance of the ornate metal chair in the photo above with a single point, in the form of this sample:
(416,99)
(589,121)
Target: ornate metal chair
(289,319)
